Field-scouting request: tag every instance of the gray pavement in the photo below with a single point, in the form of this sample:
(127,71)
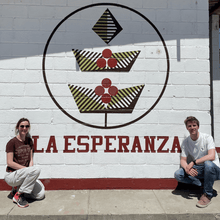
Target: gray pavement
(113,205)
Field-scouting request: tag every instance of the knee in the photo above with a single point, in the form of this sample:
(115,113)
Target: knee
(39,190)
(36,170)
(178,174)
(41,194)
(209,165)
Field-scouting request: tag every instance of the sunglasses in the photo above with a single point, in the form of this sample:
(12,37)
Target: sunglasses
(26,126)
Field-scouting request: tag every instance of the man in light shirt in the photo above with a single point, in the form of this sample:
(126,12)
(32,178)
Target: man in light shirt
(205,162)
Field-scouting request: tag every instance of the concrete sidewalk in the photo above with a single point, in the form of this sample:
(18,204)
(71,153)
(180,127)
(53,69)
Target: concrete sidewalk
(113,205)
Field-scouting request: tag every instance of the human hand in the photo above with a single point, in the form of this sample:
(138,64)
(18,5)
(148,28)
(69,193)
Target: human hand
(190,170)
(193,172)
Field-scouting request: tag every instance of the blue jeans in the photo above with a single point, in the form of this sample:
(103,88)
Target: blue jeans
(209,172)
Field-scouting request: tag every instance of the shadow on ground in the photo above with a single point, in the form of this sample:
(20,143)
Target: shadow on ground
(188,191)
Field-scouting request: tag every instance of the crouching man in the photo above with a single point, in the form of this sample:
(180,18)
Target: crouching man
(205,164)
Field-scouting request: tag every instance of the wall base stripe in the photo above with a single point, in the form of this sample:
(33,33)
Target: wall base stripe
(102,183)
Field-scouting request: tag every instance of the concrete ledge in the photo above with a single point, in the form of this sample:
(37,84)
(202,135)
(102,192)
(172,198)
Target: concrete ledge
(116,217)
(114,205)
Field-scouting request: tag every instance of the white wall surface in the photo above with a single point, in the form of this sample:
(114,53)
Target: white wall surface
(214,27)
(25,27)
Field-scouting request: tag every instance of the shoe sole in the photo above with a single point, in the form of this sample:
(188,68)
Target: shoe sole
(203,206)
(22,206)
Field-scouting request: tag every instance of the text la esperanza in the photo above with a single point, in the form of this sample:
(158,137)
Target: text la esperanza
(111,144)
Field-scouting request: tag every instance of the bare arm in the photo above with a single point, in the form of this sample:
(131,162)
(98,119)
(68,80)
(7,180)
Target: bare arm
(11,163)
(183,162)
(189,167)
(210,156)
(31,161)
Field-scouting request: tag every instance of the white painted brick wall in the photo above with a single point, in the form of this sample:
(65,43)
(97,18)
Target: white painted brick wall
(215,74)
(25,28)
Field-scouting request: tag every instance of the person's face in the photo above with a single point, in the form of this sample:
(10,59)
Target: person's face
(23,128)
(192,127)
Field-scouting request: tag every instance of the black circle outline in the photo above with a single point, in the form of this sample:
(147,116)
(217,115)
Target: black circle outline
(96,126)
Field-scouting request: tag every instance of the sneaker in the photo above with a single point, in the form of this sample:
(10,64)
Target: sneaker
(204,201)
(13,192)
(20,200)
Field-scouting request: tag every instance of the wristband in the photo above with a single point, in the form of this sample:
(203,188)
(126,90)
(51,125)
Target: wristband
(194,162)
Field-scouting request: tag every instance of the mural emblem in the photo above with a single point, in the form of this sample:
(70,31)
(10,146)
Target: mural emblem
(105,61)
(107,27)
(108,95)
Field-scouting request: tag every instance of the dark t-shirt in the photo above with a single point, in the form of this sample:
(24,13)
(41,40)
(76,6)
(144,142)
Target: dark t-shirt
(21,150)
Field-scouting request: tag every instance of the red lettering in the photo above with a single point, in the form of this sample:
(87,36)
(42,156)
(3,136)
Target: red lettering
(66,150)
(136,144)
(123,145)
(95,143)
(79,139)
(35,145)
(160,149)
(149,143)
(83,144)
(176,145)
(108,144)
(52,144)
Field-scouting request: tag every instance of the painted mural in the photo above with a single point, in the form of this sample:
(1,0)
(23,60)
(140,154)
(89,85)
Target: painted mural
(110,95)
(106,87)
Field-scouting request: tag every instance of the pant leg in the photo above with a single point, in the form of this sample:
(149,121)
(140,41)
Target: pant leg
(25,178)
(211,173)
(38,191)
(181,176)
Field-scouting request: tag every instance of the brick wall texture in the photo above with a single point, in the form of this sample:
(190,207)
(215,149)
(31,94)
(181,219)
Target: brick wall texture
(37,64)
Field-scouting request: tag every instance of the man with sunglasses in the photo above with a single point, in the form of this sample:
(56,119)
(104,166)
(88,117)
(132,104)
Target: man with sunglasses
(20,171)
(205,162)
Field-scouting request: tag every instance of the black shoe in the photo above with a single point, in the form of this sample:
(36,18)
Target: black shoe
(12,193)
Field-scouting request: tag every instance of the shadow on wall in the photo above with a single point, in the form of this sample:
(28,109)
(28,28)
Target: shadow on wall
(25,37)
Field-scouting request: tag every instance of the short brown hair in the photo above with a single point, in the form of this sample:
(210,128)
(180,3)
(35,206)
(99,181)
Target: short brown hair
(192,119)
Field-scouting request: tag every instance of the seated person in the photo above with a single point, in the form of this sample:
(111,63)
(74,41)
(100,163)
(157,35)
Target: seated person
(20,172)
(205,164)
